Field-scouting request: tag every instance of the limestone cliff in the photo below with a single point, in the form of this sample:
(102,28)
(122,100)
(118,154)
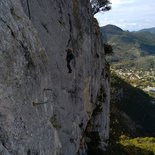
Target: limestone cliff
(44,110)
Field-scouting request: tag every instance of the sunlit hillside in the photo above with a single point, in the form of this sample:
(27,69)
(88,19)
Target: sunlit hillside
(132,129)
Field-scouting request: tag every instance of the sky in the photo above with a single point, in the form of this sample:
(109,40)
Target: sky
(129,15)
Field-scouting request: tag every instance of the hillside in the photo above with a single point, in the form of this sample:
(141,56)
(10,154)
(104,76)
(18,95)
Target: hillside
(132,116)
(151,30)
(136,104)
(134,55)
(129,46)
(111,30)
(132,91)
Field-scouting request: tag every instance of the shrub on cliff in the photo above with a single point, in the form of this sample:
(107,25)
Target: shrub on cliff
(108,49)
(100,5)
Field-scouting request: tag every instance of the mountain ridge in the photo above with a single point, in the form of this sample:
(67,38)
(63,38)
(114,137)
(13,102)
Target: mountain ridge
(151,30)
(128,45)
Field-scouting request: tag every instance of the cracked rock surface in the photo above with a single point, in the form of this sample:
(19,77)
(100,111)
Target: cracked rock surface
(44,110)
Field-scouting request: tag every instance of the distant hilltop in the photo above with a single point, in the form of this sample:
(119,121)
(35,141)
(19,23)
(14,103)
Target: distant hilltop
(151,30)
(111,29)
(131,48)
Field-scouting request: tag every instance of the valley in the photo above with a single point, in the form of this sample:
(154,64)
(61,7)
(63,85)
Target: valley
(133,57)
(139,78)
(132,91)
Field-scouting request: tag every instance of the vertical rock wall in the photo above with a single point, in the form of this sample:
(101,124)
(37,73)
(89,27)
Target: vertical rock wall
(44,110)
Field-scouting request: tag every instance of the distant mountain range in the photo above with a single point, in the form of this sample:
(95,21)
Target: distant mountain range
(151,30)
(131,48)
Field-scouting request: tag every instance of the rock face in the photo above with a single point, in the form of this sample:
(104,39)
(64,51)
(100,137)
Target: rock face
(44,110)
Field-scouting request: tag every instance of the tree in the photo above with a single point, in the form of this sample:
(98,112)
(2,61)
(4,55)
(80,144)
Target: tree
(108,49)
(100,5)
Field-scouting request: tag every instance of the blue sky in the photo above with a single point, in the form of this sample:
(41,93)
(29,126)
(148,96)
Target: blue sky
(129,15)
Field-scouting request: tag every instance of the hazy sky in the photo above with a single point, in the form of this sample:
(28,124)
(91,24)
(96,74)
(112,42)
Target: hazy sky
(129,14)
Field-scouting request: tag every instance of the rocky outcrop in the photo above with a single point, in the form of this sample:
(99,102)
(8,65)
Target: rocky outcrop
(45,110)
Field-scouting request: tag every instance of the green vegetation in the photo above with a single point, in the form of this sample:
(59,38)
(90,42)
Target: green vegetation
(108,49)
(151,30)
(132,115)
(94,143)
(136,104)
(101,94)
(129,46)
(136,77)
(132,128)
(144,63)
(130,149)
(98,109)
(100,5)
(133,146)
(54,122)
(100,99)
(147,143)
